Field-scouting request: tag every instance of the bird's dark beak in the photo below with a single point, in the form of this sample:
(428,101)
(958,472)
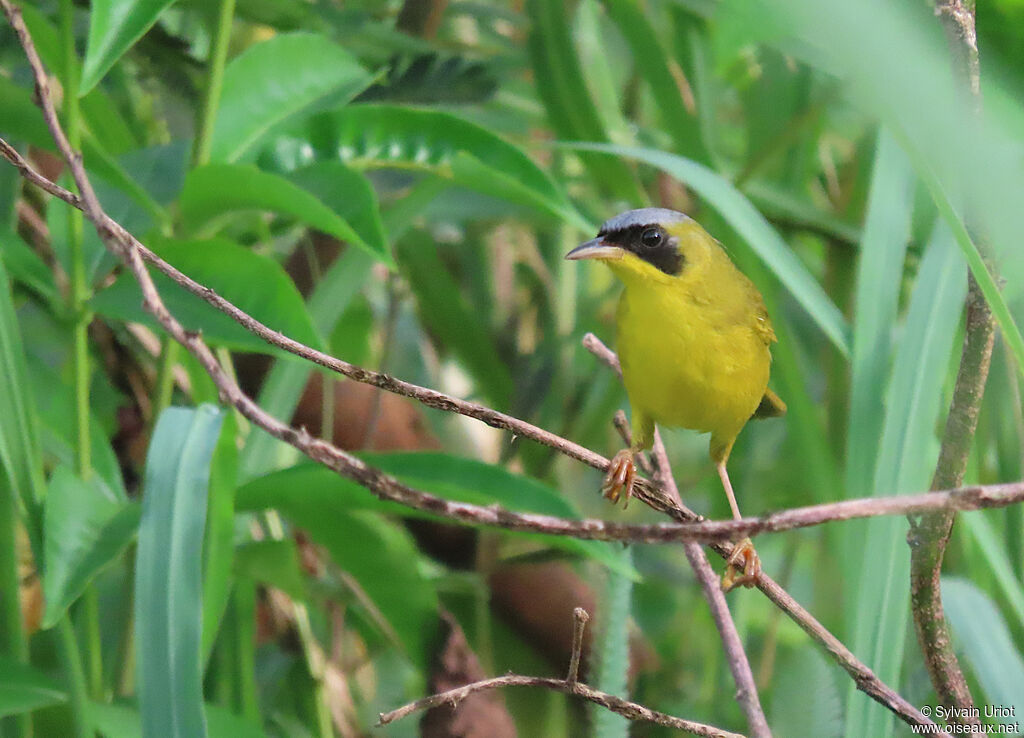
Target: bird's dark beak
(596,248)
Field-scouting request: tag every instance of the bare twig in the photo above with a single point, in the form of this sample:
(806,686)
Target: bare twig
(579,622)
(929,537)
(134,254)
(739,664)
(569,685)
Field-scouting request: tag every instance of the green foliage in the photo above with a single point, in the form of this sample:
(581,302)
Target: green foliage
(398,187)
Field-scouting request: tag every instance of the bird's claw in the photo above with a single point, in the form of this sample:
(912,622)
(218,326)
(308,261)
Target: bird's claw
(618,482)
(744,558)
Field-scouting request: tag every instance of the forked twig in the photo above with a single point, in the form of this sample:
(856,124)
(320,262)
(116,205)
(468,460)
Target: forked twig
(570,685)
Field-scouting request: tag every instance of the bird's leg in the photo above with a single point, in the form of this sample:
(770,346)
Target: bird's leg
(618,482)
(743,555)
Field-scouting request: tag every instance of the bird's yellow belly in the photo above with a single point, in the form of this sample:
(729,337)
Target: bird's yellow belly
(686,366)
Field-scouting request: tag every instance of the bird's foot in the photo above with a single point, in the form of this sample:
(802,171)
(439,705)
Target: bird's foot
(618,482)
(742,567)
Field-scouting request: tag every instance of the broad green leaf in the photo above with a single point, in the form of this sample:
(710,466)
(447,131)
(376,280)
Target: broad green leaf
(168,573)
(283,386)
(219,189)
(907,454)
(984,638)
(349,194)
(275,563)
(755,230)
(114,25)
(19,440)
(23,689)
(122,720)
(55,411)
(450,477)
(255,283)
(26,266)
(87,527)
(375,136)
(276,79)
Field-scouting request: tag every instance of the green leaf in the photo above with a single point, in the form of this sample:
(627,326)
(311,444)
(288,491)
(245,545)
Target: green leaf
(218,189)
(255,283)
(993,549)
(24,689)
(114,25)
(283,387)
(805,697)
(19,440)
(879,276)
(26,266)
(755,230)
(444,475)
(275,563)
(907,455)
(612,649)
(276,79)
(453,321)
(981,632)
(123,721)
(168,574)
(375,136)
(87,527)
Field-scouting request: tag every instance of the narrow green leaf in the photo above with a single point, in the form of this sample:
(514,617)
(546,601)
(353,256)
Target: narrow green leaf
(255,283)
(23,689)
(612,649)
(114,25)
(447,476)
(87,527)
(561,86)
(805,699)
(218,189)
(26,266)
(879,276)
(980,631)
(272,81)
(993,549)
(654,62)
(457,325)
(907,455)
(168,575)
(752,226)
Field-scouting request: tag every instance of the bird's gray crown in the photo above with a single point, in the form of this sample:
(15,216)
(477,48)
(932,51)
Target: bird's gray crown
(642,217)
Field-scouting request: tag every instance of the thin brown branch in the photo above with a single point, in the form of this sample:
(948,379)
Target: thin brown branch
(736,655)
(864,678)
(133,253)
(929,537)
(569,685)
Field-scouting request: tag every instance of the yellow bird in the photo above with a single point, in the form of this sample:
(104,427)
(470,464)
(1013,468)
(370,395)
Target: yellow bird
(693,341)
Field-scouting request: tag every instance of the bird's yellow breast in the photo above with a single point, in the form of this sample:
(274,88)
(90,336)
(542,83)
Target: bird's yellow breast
(694,350)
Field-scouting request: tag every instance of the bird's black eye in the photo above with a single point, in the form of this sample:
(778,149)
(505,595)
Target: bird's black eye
(651,238)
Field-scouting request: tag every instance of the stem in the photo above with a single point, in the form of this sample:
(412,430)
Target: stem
(214,83)
(929,537)
(77,693)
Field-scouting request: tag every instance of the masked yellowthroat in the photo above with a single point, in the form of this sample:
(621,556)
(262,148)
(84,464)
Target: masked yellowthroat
(693,341)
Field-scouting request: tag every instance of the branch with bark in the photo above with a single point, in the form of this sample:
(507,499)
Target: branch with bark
(570,685)
(136,256)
